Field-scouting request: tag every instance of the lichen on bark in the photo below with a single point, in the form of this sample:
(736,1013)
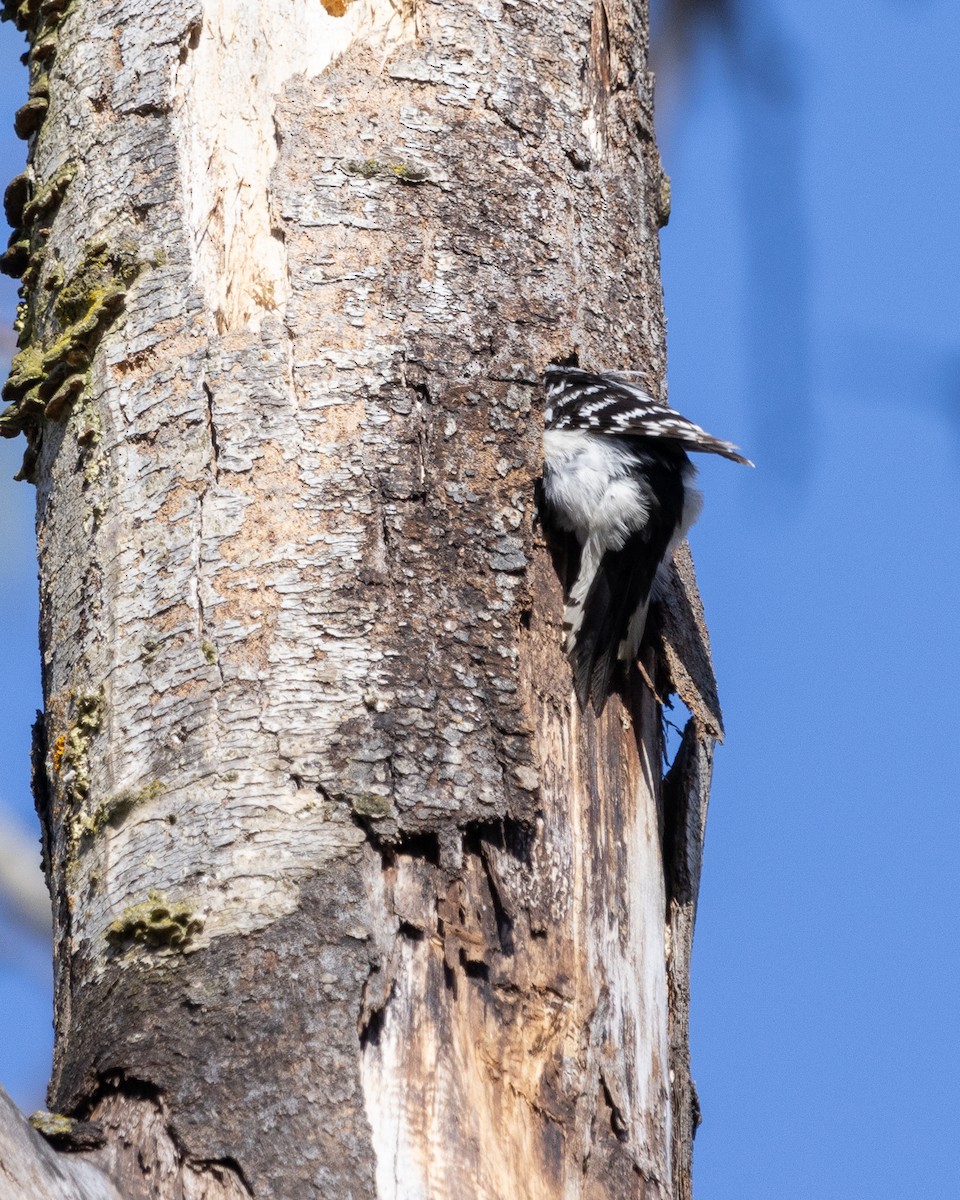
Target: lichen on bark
(157,923)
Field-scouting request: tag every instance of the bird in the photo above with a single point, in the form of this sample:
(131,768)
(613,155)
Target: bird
(618,495)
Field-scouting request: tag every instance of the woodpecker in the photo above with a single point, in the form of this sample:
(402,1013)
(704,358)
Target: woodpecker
(618,488)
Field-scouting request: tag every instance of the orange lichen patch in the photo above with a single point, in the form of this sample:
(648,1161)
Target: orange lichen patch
(59,746)
(336,8)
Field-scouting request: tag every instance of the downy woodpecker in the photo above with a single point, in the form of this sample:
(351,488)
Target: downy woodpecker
(617,478)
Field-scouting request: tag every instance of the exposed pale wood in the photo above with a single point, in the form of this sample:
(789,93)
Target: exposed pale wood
(146,1161)
(351,900)
(524,1025)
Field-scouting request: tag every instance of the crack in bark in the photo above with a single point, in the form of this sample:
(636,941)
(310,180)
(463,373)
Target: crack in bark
(212,430)
(422,407)
(618,1124)
(206,644)
(514,837)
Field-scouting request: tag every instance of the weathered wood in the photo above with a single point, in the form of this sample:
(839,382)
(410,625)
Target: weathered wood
(31,1170)
(686,793)
(351,899)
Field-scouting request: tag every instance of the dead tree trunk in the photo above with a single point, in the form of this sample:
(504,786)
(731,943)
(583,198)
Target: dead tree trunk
(350,901)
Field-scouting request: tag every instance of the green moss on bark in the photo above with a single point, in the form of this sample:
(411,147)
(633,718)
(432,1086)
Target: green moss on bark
(60,321)
(113,810)
(71,751)
(59,336)
(157,923)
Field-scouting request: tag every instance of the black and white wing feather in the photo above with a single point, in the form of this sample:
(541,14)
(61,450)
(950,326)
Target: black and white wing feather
(612,404)
(617,480)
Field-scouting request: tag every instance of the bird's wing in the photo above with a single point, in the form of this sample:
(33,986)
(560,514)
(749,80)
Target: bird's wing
(612,403)
(607,607)
(615,605)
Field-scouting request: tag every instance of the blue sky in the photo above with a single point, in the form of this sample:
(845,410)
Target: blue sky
(26,1036)
(811,276)
(811,271)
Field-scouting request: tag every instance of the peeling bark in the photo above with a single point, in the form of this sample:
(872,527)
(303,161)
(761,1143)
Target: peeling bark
(687,789)
(350,900)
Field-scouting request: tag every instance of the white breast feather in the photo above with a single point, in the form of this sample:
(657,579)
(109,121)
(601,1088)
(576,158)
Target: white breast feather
(587,485)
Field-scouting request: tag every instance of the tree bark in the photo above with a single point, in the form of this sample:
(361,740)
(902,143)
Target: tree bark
(349,898)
